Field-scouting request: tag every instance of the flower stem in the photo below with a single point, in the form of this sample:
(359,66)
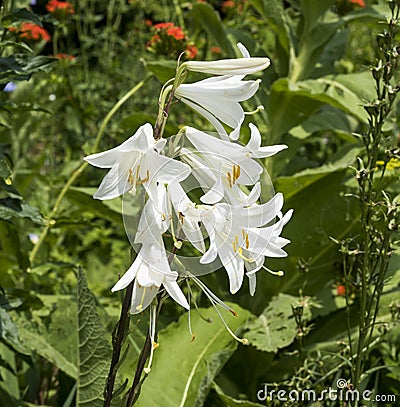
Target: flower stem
(144,354)
(51,222)
(122,326)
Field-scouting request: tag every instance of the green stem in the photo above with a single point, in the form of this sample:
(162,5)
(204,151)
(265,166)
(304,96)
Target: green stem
(80,169)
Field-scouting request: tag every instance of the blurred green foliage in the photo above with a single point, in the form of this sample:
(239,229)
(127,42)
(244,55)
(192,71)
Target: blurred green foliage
(313,95)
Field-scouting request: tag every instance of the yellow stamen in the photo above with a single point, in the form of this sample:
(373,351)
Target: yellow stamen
(247,241)
(140,306)
(234,246)
(236,172)
(229,179)
(130,177)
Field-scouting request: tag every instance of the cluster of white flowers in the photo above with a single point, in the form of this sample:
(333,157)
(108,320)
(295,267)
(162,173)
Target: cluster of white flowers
(241,231)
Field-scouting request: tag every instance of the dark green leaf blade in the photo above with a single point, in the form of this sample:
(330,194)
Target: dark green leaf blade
(94,349)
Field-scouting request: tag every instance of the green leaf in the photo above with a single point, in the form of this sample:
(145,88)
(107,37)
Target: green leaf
(21,15)
(9,388)
(288,107)
(329,119)
(94,348)
(292,103)
(83,197)
(38,343)
(15,208)
(320,212)
(5,161)
(207,17)
(293,184)
(278,21)
(163,70)
(5,169)
(9,332)
(312,11)
(182,370)
(319,28)
(21,45)
(22,66)
(227,401)
(275,328)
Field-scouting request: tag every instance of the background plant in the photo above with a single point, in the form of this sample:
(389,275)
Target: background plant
(313,96)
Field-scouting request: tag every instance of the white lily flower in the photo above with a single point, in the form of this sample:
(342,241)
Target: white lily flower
(188,214)
(155,218)
(238,238)
(134,162)
(273,248)
(150,270)
(237,66)
(223,166)
(157,215)
(217,99)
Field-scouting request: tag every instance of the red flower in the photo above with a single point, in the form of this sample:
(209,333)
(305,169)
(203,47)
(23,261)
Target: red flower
(341,290)
(149,23)
(228,4)
(65,56)
(176,32)
(155,38)
(163,26)
(65,6)
(31,31)
(191,51)
(216,50)
(360,3)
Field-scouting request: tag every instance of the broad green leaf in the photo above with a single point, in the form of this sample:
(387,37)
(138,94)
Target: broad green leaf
(15,208)
(38,343)
(21,45)
(279,22)
(22,66)
(275,328)
(291,185)
(320,27)
(9,386)
(62,329)
(313,10)
(288,107)
(320,212)
(328,119)
(94,349)
(182,369)
(162,70)
(9,332)
(292,103)
(21,15)
(83,197)
(219,398)
(206,16)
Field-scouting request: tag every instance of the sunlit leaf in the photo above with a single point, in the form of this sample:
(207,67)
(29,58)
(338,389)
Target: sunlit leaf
(275,328)
(188,367)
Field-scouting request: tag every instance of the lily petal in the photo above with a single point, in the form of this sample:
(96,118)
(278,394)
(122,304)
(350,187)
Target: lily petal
(176,293)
